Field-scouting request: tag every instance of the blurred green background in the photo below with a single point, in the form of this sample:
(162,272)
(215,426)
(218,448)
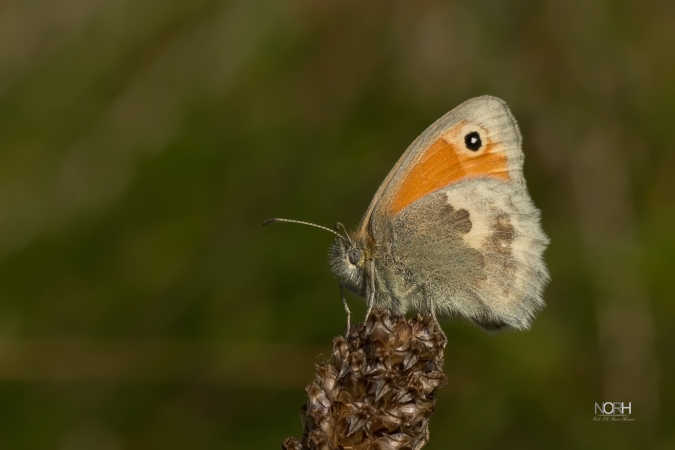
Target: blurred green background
(142,306)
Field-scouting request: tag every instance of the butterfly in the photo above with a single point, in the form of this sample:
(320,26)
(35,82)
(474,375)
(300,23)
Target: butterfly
(452,229)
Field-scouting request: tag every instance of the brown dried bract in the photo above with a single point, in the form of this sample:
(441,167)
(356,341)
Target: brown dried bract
(377,390)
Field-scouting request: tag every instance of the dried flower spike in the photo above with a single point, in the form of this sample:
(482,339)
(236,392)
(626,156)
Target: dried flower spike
(377,390)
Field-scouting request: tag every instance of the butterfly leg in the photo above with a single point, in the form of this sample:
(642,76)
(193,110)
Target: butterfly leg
(438,324)
(371,293)
(347,310)
(371,300)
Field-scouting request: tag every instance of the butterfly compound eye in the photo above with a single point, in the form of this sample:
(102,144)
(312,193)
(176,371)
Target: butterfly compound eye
(472,141)
(354,256)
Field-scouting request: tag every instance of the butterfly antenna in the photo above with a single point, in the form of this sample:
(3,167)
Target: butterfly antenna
(302,222)
(342,228)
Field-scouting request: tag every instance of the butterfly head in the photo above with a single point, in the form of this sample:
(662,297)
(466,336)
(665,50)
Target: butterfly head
(347,262)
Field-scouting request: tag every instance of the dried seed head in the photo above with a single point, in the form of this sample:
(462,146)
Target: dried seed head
(377,390)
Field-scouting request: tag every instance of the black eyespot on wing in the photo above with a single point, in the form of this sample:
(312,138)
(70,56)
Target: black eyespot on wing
(472,141)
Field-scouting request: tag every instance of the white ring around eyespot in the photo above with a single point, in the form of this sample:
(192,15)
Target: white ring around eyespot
(458,139)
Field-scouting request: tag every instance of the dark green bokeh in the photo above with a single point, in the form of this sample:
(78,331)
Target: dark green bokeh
(143,306)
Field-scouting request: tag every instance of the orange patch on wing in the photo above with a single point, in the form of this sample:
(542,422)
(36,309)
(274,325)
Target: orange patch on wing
(441,165)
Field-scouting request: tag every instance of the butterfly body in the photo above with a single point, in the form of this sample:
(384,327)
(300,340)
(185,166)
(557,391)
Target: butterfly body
(452,229)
